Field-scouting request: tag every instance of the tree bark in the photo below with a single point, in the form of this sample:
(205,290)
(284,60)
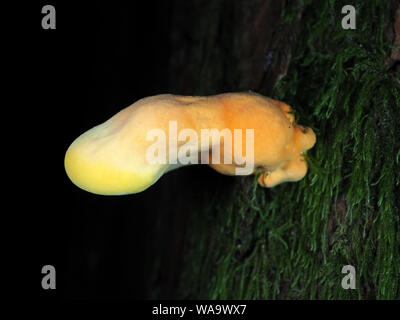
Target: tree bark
(282,248)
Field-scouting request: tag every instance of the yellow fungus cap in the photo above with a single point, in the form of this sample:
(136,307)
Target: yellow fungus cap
(110,159)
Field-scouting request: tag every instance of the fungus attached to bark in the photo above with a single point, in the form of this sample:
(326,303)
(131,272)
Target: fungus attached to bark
(113,158)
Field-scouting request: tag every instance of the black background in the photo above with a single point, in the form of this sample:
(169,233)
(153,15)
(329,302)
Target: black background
(100,59)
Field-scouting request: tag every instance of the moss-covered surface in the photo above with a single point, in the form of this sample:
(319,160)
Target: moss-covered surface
(291,242)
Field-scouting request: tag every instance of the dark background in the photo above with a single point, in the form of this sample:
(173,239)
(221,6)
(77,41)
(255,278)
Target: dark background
(100,59)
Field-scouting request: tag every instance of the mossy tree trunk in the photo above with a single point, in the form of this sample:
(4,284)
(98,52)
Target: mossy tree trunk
(291,242)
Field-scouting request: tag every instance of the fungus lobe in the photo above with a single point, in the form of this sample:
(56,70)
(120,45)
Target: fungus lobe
(112,158)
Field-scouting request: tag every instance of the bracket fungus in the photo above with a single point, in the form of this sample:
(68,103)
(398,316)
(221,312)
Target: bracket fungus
(117,157)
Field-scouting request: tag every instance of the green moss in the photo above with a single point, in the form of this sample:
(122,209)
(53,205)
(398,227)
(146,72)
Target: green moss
(291,242)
